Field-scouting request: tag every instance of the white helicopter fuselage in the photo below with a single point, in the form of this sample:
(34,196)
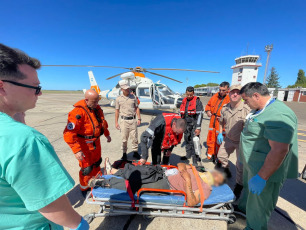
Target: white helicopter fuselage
(151,95)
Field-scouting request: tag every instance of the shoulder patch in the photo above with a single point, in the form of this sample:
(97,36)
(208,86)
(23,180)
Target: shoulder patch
(70,126)
(78,116)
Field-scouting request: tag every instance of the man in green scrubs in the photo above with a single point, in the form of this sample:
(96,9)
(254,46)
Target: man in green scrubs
(33,182)
(269,153)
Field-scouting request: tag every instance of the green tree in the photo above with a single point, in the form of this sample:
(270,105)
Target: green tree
(273,79)
(301,79)
(198,86)
(208,84)
(212,84)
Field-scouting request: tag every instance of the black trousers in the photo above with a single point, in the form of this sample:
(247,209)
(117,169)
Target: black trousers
(140,176)
(188,138)
(156,154)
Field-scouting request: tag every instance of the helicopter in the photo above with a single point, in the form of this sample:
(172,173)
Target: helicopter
(151,95)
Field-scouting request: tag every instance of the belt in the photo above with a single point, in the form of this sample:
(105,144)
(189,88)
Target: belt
(128,118)
(86,137)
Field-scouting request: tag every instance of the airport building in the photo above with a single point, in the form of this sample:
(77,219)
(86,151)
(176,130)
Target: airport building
(245,70)
(291,94)
(206,91)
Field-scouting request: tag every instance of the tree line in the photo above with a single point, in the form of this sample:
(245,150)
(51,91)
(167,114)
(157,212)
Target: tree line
(273,80)
(208,84)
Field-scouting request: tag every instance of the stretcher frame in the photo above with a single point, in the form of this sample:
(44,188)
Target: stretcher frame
(220,211)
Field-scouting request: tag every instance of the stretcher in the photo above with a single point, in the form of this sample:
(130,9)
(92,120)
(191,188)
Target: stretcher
(167,203)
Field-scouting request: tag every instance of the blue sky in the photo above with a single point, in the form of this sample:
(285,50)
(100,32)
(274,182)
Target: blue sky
(194,34)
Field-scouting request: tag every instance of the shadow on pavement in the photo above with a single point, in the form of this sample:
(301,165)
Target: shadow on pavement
(75,197)
(294,192)
(131,222)
(280,220)
(239,224)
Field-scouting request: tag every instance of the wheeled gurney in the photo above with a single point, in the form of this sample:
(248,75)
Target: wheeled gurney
(168,203)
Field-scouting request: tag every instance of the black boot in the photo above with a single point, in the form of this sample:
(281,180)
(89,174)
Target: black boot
(136,155)
(227,172)
(218,165)
(184,158)
(194,160)
(237,190)
(84,193)
(124,157)
(166,160)
(212,159)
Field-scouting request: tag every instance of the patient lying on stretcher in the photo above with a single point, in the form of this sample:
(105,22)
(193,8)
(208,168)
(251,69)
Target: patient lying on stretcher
(153,176)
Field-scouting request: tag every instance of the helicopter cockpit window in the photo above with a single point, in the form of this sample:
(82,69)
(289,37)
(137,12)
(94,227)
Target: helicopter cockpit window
(165,91)
(143,92)
(117,86)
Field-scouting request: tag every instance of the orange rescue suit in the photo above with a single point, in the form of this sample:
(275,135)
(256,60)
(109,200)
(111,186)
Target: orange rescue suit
(214,105)
(170,138)
(82,133)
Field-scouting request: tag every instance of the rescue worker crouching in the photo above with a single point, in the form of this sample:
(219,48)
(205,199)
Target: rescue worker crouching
(192,111)
(86,123)
(163,133)
(213,110)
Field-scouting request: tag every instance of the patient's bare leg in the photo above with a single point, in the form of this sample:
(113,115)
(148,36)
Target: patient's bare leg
(113,171)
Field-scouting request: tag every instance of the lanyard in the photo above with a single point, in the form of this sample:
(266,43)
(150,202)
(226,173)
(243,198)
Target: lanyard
(251,116)
(267,104)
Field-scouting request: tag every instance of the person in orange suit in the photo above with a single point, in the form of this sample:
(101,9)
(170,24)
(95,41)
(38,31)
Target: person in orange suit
(86,123)
(213,110)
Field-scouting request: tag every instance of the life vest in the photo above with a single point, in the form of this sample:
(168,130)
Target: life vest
(170,138)
(191,106)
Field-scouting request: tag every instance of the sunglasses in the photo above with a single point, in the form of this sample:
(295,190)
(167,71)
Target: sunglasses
(37,88)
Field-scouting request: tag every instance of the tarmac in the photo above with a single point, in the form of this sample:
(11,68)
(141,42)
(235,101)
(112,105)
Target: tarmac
(50,118)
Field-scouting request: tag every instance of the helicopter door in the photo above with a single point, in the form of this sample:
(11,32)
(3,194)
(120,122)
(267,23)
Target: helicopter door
(156,96)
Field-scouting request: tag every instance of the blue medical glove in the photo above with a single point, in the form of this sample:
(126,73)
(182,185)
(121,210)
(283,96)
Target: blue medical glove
(257,184)
(83,225)
(220,138)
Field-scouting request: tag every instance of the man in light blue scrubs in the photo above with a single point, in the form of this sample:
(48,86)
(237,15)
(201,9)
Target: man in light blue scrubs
(33,182)
(269,153)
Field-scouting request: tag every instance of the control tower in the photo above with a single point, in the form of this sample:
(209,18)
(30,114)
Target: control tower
(245,70)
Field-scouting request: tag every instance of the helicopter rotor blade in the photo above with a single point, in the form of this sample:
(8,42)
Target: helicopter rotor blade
(93,66)
(163,76)
(115,76)
(192,70)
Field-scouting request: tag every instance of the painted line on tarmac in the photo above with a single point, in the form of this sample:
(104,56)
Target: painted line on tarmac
(302,140)
(302,130)
(302,134)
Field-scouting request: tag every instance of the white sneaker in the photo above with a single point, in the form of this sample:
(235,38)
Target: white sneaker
(107,166)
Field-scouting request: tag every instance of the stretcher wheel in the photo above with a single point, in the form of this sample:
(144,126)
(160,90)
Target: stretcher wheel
(88,218)
(232,219)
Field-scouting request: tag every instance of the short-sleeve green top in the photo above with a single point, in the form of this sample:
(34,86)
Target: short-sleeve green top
(277,122)
(31,176)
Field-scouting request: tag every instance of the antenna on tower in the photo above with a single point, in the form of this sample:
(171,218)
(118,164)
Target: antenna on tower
(268,49)
(247,49)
